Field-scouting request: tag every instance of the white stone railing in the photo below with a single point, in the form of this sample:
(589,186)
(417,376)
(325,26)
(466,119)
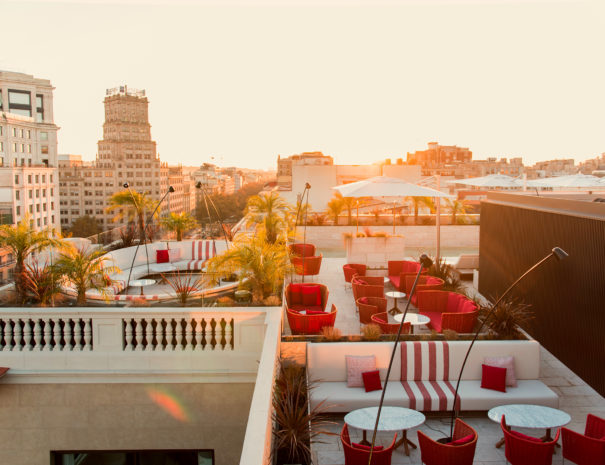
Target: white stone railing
(120,342)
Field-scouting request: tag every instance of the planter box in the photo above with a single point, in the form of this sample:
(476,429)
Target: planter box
(374,251)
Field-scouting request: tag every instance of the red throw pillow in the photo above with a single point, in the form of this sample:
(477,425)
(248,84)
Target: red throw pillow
(371,380)
(364,447)
(463,440)
(524,436)
(361,281)
(493,378)
(295,294)
(316,312)
(161,256)
(311,295)
(364,300)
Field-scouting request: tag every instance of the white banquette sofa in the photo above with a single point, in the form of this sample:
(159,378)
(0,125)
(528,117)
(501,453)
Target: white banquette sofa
(184,255)
(424,374)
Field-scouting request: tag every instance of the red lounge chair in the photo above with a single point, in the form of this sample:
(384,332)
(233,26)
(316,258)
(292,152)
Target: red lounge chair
(369,306)
(352,269)
(448,310)
(306,266)
(308,250)
(367,286)
(587,448)
(310,324)
(399,269)
(294,299)
(3,371)
(435,453)
(382,320)
(425,283)
(358,456)
(520,451)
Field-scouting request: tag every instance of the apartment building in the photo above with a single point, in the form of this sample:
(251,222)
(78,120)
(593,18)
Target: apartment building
(126,154)
(444,160)
(28,151)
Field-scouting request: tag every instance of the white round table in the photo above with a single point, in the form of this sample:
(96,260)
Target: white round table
(529,416)
(391,419)
(415,319)
(395,295)
(141,283)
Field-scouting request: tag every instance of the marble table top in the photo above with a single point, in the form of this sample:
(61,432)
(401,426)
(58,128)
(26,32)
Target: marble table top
(394,295)
(142,282)
(391,418)
(162,267)
(414,319)
(529,416)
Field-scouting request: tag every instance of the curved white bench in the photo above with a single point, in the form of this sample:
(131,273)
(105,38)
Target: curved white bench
(184,255)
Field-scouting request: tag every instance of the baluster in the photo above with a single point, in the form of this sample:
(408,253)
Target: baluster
(77,334)
(27,330)
(138,332)
(204,333)
(2,335)
(188,335)
(18,333)
(161,334)
(179,334)
(57,335)
(213,333)
(149,334)
(47,335)
(128,324)
(8,334)
(199,333)
(87,335)
(37,335)
(169,334)
(229,334)
(67,334)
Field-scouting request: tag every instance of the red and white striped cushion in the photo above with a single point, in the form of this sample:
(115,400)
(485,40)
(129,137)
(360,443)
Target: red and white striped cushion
(203,250)
(425,369)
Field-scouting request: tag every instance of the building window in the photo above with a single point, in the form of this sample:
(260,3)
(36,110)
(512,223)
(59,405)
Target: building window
(38,208)
(31,194)
(39,108)
(1,145)
(44,207)
(29,178)
(51,178)
(43,178)
(37,178)
(31,208)
(19,102)
(15,147)
(22,148)
(45,221)
(29,134)
(18,209)
(52,219)
(38,222)
(17,195)
(16,179)
(37,193)
(29,148)
(44,149)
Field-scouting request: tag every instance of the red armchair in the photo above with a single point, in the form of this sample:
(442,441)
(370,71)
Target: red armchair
(306,266)
(448,310)
(399,269)
(382,320)
(352,269)
(359,456)
(520,451)
(369,306)
(367,286)
(435,453)
(296,292)
(308,250)
(587,448)
(425,283)
(310,324)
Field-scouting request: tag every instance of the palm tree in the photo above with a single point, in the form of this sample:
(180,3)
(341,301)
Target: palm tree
(131,206)
(179,223)
(269,211)
(349,203)
(261,266)
(85,269)
(335,207)
(421,201)
(22,240)
(456,207)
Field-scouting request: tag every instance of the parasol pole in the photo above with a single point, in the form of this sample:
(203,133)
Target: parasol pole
(357,230)
(438,219)
(393,217)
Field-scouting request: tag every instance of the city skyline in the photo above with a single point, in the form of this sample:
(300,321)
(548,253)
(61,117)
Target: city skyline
(243,85)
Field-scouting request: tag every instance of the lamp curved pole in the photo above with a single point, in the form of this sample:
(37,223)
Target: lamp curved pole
(425,262)
(308,188)
(559,254)
(137,207)
(302,196)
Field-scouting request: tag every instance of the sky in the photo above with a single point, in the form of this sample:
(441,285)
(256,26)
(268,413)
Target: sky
(361,81)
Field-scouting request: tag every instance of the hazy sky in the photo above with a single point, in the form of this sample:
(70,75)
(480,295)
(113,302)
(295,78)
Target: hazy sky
(361,81)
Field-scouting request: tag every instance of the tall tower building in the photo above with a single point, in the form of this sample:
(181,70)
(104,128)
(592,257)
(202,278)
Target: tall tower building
(125,154)
(28,151)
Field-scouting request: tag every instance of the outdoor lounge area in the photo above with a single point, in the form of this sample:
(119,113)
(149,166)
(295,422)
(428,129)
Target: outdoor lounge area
(422,381)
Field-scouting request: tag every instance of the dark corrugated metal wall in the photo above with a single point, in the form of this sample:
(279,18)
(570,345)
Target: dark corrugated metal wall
(568,297)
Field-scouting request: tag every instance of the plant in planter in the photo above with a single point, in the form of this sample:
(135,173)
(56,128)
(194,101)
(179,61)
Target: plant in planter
(292,418)
(371,332)
(42,283)
(184,286)
(510,315)
(445,271)
(331,334)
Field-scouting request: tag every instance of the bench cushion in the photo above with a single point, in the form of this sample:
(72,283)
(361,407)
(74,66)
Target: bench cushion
(340,398)
(528,391)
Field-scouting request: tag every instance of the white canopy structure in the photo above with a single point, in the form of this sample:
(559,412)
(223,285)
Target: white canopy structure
(573,180)
(490,181)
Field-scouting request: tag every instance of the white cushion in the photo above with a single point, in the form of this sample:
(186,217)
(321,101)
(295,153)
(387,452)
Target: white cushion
(326,360)
(340,398)
(531,391)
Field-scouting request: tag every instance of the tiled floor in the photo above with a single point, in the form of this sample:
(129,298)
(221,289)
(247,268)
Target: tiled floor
(576,397)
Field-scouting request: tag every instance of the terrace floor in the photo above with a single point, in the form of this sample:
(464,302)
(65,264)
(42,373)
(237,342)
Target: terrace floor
(576,397)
